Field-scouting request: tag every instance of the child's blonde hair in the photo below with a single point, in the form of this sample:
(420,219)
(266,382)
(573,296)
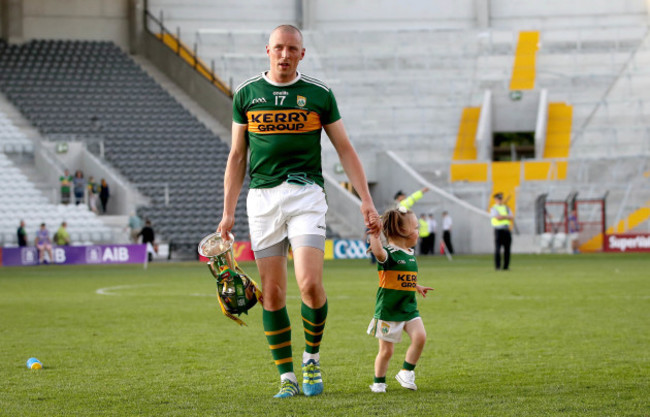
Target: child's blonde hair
(394,221)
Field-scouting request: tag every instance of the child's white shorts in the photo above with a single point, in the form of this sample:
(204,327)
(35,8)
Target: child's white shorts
(388,331)
(284,212)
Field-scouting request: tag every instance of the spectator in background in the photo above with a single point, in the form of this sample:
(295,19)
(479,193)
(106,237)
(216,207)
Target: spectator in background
(433,225)
(22,234)
(135,226)
(501,219)
(66,181)
(148,238)
(104,194)
(79,185)
(62,237)
(93,197)
(43,244)
(423,226)
(574,229)
(446,232)
(407,202)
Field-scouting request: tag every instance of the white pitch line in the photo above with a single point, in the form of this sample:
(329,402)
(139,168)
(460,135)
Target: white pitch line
(107,290)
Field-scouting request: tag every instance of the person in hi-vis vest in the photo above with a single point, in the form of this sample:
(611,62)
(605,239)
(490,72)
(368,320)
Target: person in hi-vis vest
(401,200)
(501,221)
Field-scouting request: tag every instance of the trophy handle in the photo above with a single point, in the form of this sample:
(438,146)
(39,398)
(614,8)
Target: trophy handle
(215,273)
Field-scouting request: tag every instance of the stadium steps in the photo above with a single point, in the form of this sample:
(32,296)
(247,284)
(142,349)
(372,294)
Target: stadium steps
(470,172)
(523,72)
(506,177)
(635,218)
(466,140)
(558,131)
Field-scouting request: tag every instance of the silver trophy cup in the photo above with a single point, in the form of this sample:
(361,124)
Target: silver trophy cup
(236,291)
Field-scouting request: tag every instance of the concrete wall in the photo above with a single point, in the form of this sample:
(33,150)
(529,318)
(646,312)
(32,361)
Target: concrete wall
(442,14)
(390,14)
(514,115)
(225,14)
(109,19)
(24,20)
(11,20)
(514,14)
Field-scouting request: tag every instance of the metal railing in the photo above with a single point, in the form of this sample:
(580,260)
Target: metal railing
(173,41)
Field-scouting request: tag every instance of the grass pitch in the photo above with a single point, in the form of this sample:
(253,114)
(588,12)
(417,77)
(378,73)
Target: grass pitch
(556,335)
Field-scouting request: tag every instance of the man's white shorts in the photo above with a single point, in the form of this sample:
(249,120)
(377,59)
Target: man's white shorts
(389,331)
(285,212)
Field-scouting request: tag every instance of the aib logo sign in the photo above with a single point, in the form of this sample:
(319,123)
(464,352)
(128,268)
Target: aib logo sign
(93,254)
(98,254)
(29,256)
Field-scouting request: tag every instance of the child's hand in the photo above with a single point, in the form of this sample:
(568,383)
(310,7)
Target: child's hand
(374,228)
(423,290)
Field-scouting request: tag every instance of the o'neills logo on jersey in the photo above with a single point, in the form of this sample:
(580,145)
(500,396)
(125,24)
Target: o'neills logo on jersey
(283,121)
(398,280)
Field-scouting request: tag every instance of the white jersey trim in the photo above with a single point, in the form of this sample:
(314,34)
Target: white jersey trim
(394,248)
(300,76)
(248,81)
(295,80)
(315,81)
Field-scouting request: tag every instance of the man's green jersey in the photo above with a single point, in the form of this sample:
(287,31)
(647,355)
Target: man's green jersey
(284,126)
(398,276)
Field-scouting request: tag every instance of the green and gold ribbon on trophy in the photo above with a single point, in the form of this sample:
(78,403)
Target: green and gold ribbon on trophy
(236,292)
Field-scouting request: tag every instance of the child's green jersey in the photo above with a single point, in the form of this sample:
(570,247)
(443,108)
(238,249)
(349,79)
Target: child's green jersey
(398,276)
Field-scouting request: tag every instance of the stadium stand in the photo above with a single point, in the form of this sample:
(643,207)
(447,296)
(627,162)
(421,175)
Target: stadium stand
(401,87)
(409,87)
(412,85)
(11,139)
(92,88)
(22,201)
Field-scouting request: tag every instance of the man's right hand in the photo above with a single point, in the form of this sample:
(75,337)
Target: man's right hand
(226,225)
